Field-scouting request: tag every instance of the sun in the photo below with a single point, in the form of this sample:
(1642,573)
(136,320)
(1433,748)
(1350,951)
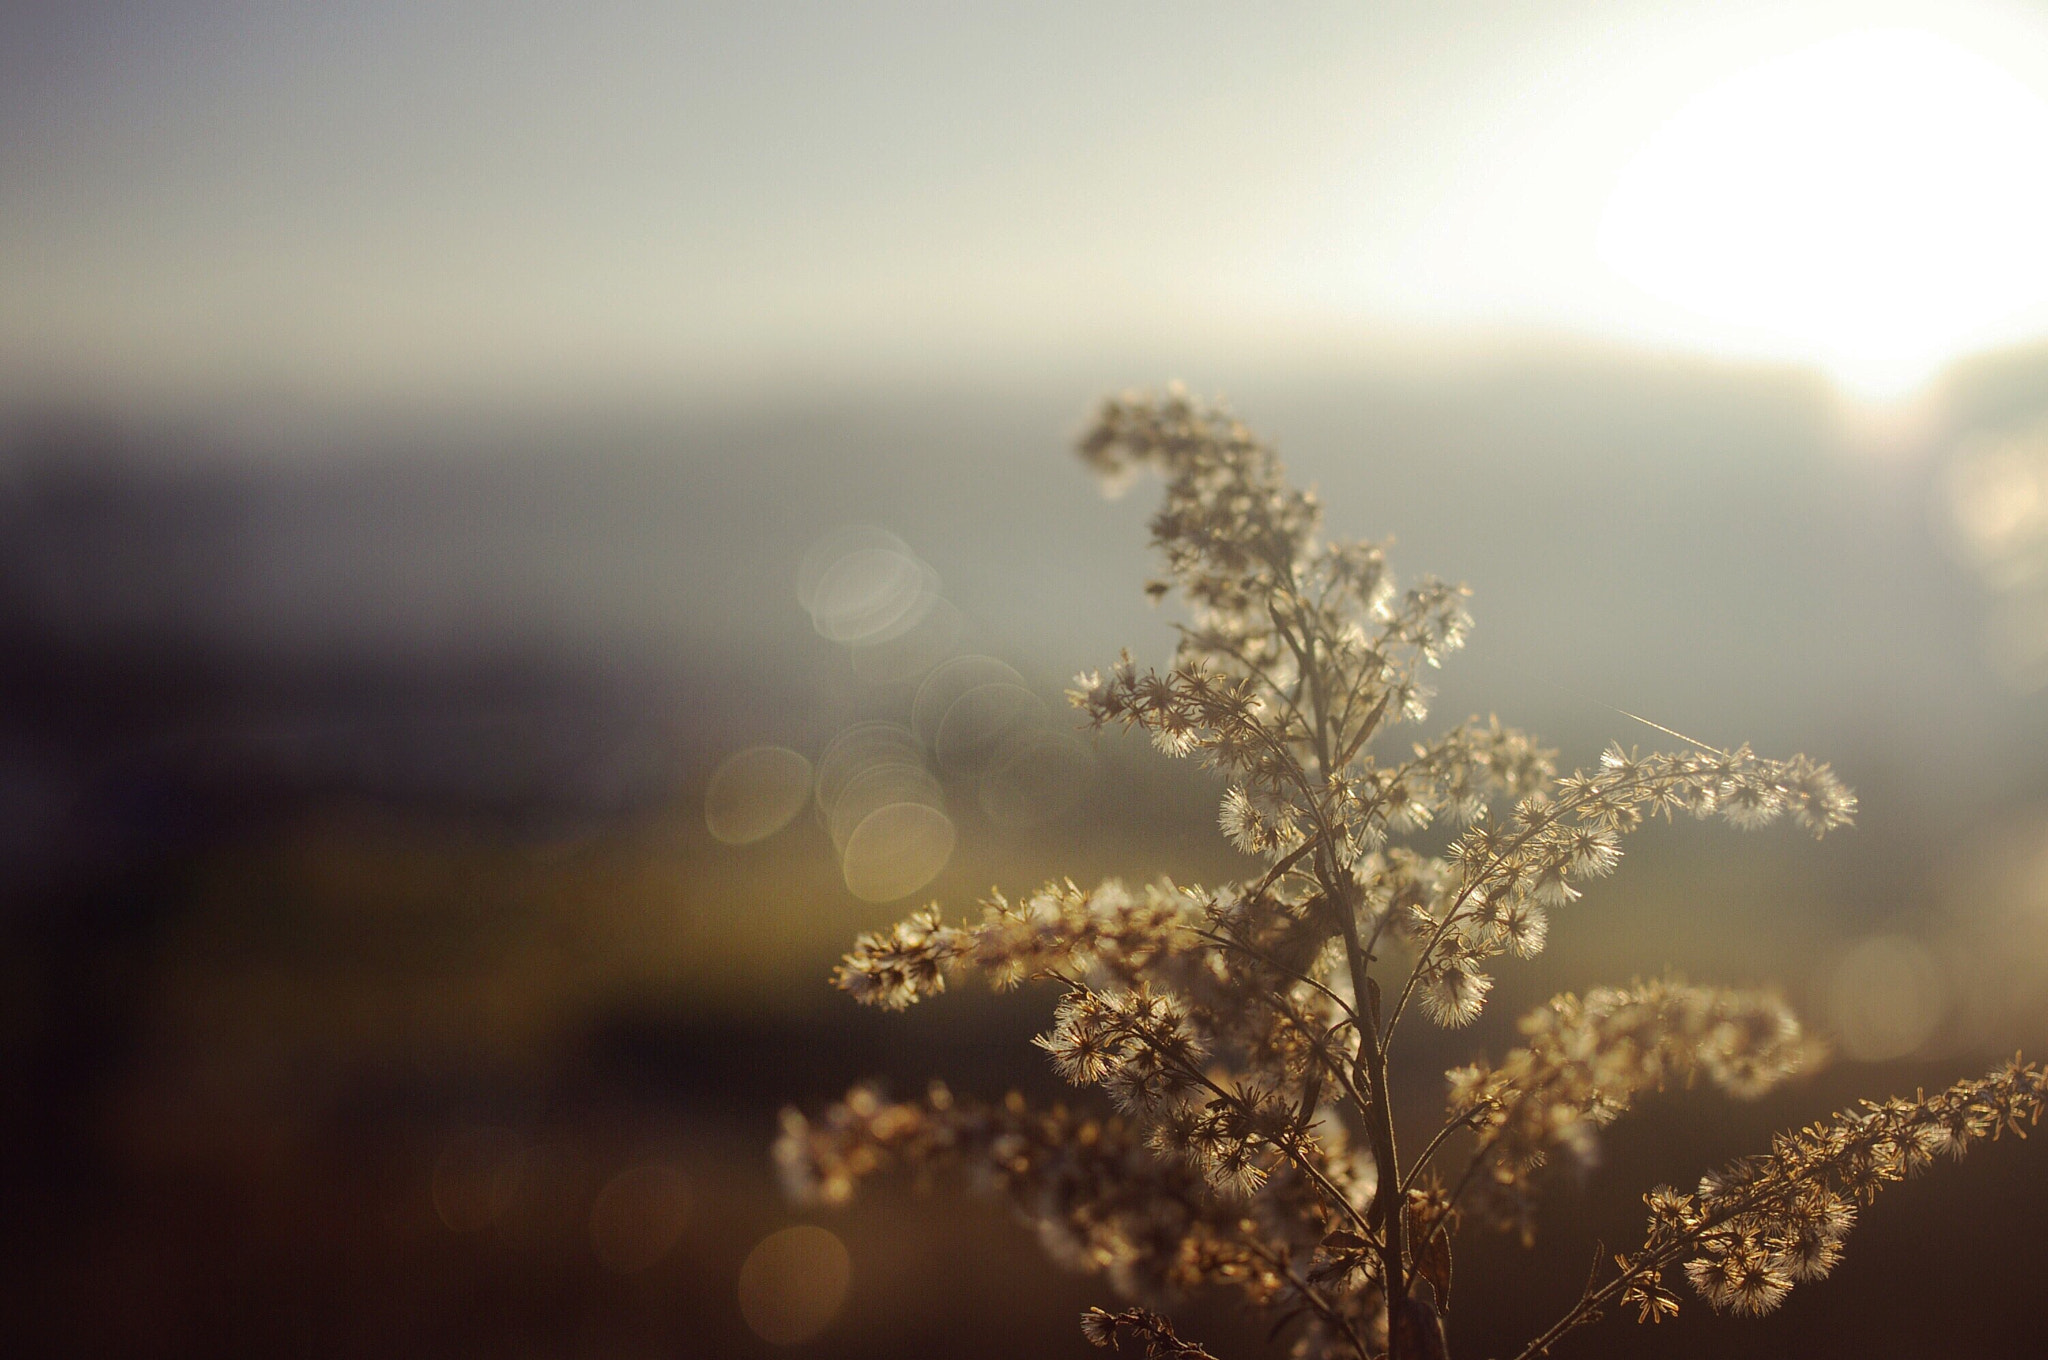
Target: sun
(1876,203)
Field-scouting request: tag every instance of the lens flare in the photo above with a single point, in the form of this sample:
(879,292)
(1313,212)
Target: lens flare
(793,1284)
(1886,998)
(639,1216)
(896,850)
(754,793)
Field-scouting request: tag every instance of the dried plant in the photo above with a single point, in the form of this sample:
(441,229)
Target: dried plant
(1244,1033)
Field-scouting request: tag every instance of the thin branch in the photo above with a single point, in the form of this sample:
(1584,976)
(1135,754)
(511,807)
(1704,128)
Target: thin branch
(1232,942)
(1289,1148)
(1463,1121)
(1314,1299)
(1254,667)
(1556,813)
(1280,867)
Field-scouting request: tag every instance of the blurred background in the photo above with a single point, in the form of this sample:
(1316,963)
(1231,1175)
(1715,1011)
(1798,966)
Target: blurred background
(525,527)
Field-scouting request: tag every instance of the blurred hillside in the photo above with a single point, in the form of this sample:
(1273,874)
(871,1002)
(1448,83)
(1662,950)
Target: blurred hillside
(354,832)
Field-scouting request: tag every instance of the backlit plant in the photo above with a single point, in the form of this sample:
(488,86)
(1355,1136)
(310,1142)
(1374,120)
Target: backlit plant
(1243,1034)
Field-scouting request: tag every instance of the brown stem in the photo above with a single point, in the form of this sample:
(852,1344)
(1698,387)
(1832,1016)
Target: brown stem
(1370,1073)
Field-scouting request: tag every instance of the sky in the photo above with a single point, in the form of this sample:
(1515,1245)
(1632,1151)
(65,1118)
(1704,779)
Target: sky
(204,202)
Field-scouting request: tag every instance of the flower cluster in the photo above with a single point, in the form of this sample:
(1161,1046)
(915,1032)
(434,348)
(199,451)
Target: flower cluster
(1586,1061)
(1108,932)
(1099,1197)
(1142,1327)
(1239,1038)
(1760,1225)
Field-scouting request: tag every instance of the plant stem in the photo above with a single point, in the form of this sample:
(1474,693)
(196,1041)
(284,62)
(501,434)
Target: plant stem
(1370,1073)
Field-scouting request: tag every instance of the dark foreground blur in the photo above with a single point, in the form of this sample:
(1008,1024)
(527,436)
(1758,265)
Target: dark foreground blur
(372,986)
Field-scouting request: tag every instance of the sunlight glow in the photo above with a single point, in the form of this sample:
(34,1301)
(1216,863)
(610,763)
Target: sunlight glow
(1876,203)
